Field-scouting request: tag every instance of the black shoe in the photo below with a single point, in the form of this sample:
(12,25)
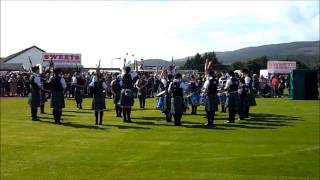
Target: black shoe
(43,112)
(35,119)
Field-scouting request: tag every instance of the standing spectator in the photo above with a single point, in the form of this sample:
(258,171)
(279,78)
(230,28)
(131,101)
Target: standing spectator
(274,84)
(281,85)
(20,86)
(13,85)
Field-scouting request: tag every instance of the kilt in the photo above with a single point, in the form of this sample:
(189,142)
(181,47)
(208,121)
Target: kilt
(233,101)
(142,94)
(212,103)
(98,102)
(126,98)
(252,99)
(57,100)
(177,105)
(34,99)
(116,98)
(78,93)
(167,103)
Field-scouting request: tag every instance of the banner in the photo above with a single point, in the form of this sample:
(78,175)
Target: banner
(281,67)
(61,57)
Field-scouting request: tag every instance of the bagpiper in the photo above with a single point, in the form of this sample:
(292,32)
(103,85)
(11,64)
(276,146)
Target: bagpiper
(79,84)
(116,91)
(210,90)
(141,85)
(176,89)
(244,98)
(98,86)
(249,82)
(232,102)
(35,94)
(126,97)
(57,86)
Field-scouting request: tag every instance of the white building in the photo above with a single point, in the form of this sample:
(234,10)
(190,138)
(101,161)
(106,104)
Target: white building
(22,57)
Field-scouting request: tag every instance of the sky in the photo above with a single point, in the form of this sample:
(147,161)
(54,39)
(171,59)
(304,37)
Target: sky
(153,29)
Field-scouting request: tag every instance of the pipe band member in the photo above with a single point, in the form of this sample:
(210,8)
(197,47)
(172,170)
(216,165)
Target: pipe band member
(141,85)
(98,85)
(210,89)
(58,85)
(176,89)
(79,84)
(116,92)
(126,96)
(35,95)
(44,94)
(249,82)
(232,97)
(244,98)
(167,97)
(194,97)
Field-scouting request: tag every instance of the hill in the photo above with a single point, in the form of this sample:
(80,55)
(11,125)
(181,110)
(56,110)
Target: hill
(306,52)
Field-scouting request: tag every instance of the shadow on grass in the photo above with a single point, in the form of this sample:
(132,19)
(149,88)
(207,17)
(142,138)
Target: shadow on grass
(126,127)
(151,118)
(80,112)
(264,119)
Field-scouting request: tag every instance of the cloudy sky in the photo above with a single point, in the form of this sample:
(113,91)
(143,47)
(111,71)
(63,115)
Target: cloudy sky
(109,29)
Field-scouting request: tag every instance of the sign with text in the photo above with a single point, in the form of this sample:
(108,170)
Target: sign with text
(61,57)
(282,67)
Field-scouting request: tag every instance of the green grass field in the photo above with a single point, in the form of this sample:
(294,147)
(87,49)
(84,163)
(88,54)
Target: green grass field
(280,141)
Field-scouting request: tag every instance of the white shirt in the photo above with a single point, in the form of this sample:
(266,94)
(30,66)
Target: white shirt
(247,80)
(164,82)
(104,85)
(74,80)
(228,83)
(206,83)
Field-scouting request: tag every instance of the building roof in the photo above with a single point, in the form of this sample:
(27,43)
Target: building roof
(11,67)
(4,60)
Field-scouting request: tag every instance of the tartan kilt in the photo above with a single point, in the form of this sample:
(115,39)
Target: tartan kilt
(126,98)
(116,98)
(98,102)
(34,99)
(78,94)
(167,103)
(233,101)
(142,94)
(212,103)
(252,99)
(57,100)
(177,105)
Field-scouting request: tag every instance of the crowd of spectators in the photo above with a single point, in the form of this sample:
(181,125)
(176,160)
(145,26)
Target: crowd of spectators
(14,84)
